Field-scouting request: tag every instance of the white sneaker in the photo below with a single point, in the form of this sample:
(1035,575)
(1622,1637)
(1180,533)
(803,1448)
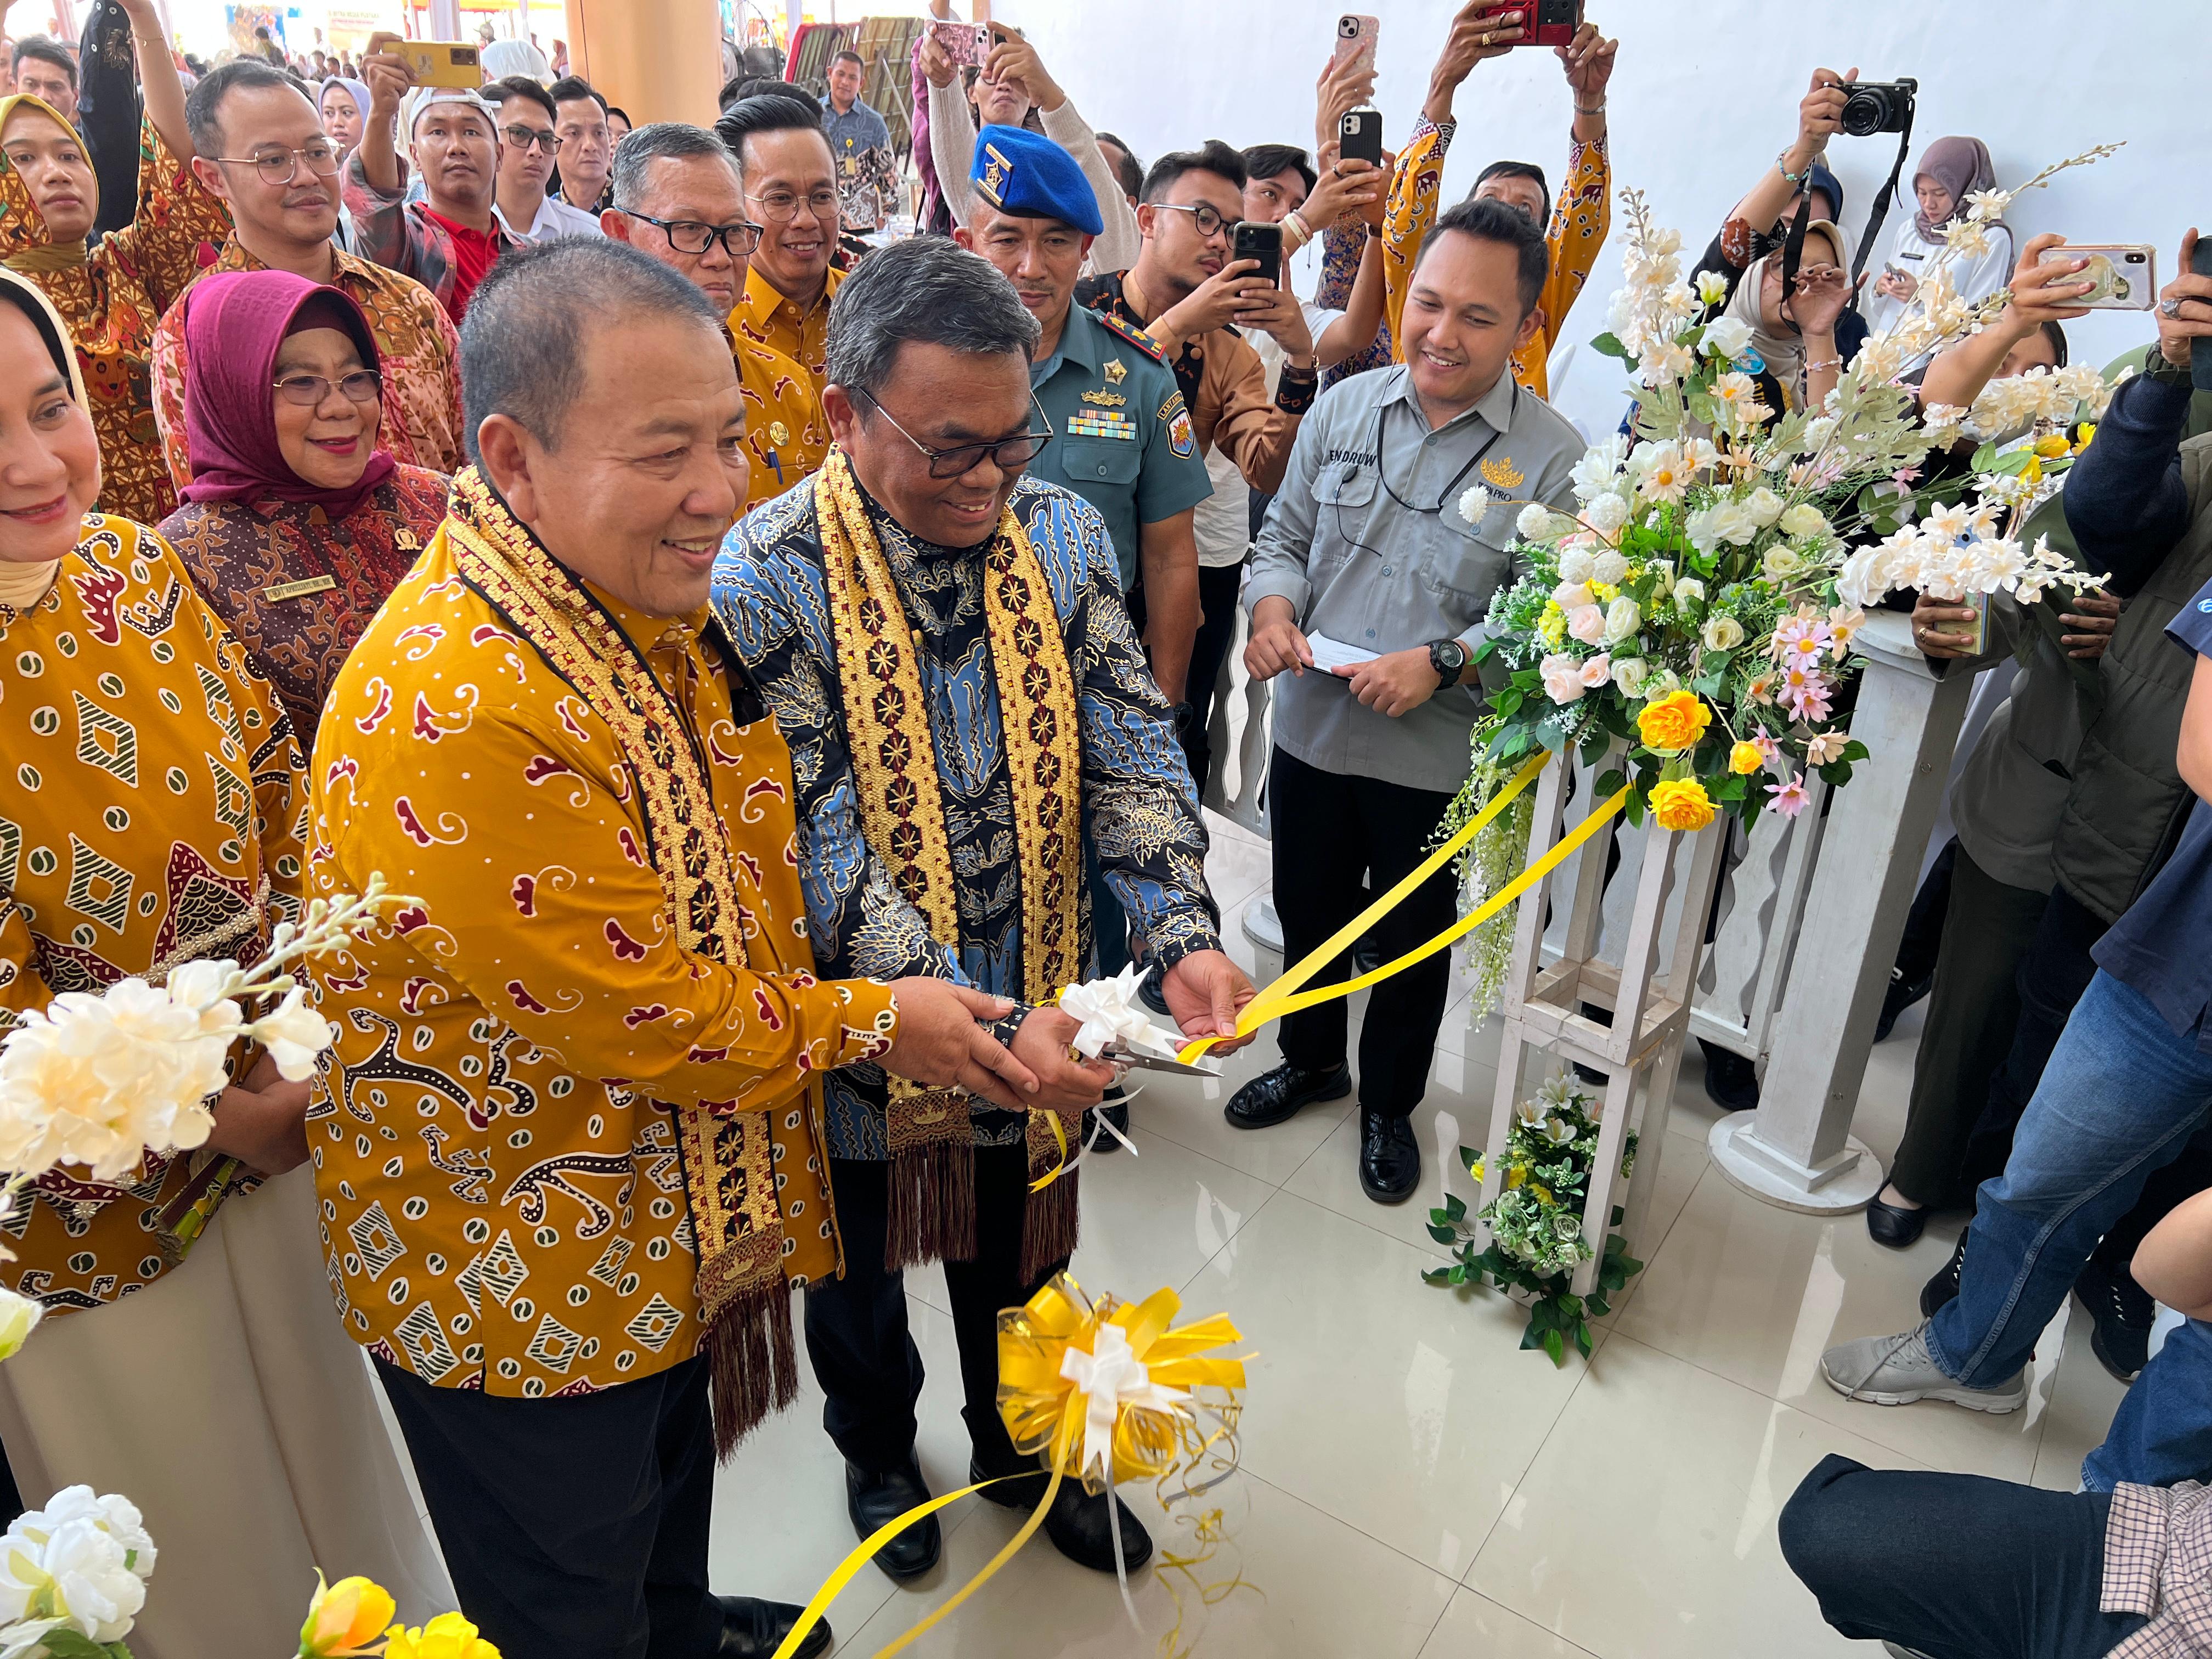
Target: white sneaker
(1896,1371)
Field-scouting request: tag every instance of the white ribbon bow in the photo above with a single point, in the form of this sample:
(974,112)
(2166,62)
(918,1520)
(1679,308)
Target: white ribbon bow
(1112,1377)
(1110,1012)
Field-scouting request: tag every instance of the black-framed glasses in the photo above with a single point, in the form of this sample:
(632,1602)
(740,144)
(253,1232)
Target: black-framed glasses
(690,236)
(522,138)
(277,166)
(363,386)
(1210,223)
(781,207)
(1008,454)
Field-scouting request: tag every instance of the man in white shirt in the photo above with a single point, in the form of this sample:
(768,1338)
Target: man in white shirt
(526,147)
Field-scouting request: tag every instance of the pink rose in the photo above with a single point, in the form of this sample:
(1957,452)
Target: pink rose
(1563,679)
(1597,670)
(1587,623)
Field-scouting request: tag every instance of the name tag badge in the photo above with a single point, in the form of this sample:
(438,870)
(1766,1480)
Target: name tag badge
(298,590)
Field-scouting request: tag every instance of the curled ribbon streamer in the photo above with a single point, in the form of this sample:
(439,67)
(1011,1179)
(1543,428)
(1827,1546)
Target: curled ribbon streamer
(1285,996)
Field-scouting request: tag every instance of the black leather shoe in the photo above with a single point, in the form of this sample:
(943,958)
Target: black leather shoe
(1945,1286)
(1731,1081)
(753,1629)
(1077,1521)
(1901,994)
(1276,1096)
(1367,954)
(1116,1110)
(2123,1313)
(872,1500)
(1389,1157)
(1893,1224)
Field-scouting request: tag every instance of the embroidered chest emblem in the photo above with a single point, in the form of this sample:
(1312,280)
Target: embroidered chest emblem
(1502,473)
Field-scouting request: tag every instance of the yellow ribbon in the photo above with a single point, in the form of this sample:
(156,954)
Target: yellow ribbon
(1285,995)
(1044,1414)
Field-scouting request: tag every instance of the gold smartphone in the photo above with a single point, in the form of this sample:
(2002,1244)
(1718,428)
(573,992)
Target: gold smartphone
(442,63)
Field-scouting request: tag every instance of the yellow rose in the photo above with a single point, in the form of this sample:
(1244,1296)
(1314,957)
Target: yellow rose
(1745,759)
(2051,446)
(1675,721)
(1680,804)
(344,1618)
(449,1636)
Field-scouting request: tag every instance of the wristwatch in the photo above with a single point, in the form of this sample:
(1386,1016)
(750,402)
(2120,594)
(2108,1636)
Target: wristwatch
(2157,366)
(1449,659)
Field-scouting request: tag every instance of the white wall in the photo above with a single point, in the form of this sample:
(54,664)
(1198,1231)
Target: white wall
(1705,93)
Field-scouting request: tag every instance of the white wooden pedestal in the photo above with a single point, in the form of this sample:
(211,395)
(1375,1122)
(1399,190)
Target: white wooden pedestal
(1641,1051)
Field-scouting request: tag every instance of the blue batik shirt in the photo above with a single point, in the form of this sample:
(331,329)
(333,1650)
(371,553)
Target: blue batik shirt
(1140,818)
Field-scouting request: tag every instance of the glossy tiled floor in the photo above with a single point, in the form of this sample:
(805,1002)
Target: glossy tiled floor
(1413,1484)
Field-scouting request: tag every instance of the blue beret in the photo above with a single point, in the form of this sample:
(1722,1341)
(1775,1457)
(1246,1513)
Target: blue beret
(1026,175)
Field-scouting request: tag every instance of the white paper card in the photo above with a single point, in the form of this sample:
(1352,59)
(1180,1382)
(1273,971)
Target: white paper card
(1330,654)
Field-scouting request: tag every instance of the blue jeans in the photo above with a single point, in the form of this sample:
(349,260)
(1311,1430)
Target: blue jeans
(1955,1566)
(2122,1096)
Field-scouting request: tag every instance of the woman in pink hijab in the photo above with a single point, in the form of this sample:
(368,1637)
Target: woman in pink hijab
(1950,170)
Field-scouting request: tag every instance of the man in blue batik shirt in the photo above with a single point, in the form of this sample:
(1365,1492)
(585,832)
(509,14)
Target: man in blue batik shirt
(952,762)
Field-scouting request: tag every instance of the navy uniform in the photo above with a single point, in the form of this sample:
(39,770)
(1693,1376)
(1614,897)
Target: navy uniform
(1121,438)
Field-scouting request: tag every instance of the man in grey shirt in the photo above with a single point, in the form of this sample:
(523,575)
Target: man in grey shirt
(1367,558)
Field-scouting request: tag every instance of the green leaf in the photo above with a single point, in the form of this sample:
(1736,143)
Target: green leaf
(1469,1157)
(66,1643)
(1571,1307)
(1438,1275)
(1615,1242)
(1455,1207)
(1635,808)
(1443,1234)
(1609,784)
(1582,1338)
(1598,1306)
(1556,1345)
(1854,750)
(1459,1275)
(1483,648)
(1836,773)
(1530,1338)
(1631,1266)
(1984,458)
(1609,344)
(1508,703)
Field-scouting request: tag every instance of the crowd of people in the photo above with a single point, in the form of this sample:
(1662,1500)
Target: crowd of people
(761,591)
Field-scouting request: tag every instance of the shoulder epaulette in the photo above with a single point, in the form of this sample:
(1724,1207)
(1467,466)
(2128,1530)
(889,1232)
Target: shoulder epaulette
(1135,335)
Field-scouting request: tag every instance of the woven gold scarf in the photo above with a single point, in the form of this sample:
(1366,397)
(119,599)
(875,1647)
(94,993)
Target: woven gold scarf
(932,1204)
(741,1176)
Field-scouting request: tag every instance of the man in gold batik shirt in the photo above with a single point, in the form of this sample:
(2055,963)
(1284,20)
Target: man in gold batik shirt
(568,1150)
(790,184)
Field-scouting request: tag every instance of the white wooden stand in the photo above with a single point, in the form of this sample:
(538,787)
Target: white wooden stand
(1641,1051)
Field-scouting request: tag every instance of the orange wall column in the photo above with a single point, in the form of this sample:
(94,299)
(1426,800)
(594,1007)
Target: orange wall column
(661,60)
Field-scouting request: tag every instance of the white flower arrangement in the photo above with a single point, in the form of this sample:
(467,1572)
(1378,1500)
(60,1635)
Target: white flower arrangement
(73,1576)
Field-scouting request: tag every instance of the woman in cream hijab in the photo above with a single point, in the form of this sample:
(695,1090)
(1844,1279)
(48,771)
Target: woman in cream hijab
(188,1357)
(1795,339)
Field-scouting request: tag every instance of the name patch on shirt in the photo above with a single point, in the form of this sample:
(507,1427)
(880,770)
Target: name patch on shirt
(298,590)
(1102,423)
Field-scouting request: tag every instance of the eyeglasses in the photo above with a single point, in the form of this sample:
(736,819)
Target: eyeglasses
(363,386)
(277,166)
(527,138)
(690,236)
(1009,454)
(1210,224)
(781,207)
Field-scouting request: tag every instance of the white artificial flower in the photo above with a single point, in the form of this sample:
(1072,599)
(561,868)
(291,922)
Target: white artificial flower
(1818,431)
(1712,286)
(1530,1111)
(294,1033)
(1662,473)
(1473,503)
(1940,418)
(1628,674)
(1535,523)
(1605,515)
(1609,567)
(1968,237)
(1563,677)
(19,1317)
(1622,618)
(1558,1131)
(1804,520)
(1663,363)
(86,1557)
(1599,465)
(1575,567)
(1984,205)
(1688,592)
(1728,337)
(1763,506)
(1781,561)
(1723,633)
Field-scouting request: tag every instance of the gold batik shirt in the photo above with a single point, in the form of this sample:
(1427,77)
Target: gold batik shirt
(503,1199)
(785,434)
(151,811)
(763,316)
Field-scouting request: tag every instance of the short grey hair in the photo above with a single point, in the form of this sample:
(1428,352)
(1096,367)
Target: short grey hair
(528,323)
(659,141)
(930,291)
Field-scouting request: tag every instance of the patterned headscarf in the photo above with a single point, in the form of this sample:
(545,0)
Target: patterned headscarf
(26,244)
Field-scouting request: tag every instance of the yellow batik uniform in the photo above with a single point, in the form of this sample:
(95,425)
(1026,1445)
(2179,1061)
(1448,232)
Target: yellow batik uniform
(150,815)
(787,435)
(763,316)
(532,1058)
(1581,216)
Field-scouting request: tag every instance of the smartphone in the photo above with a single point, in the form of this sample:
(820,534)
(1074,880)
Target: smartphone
(1543,22)
(1355,40)
(2123,276)
(966,44)
(442,63)
(1975,634)
(1359,136)
(2200,362)
(1261,242)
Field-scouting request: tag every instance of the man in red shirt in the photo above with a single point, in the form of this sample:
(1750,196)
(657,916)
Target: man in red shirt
(448,240)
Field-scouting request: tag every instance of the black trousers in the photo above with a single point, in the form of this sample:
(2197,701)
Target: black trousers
(573,1529)
(1955,1566)
(1330,830)
(856,1326)
(1217,586)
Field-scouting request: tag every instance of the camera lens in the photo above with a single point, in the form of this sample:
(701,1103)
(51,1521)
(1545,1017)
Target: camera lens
(1348,28)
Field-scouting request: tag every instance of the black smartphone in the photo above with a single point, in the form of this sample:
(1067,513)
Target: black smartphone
(1359,136)
(2200,354)
(1261,242)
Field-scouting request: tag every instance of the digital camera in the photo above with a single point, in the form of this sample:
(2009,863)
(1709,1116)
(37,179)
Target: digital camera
(1879,106)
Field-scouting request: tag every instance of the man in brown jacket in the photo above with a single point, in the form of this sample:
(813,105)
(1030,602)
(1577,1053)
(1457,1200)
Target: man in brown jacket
(1191,298)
